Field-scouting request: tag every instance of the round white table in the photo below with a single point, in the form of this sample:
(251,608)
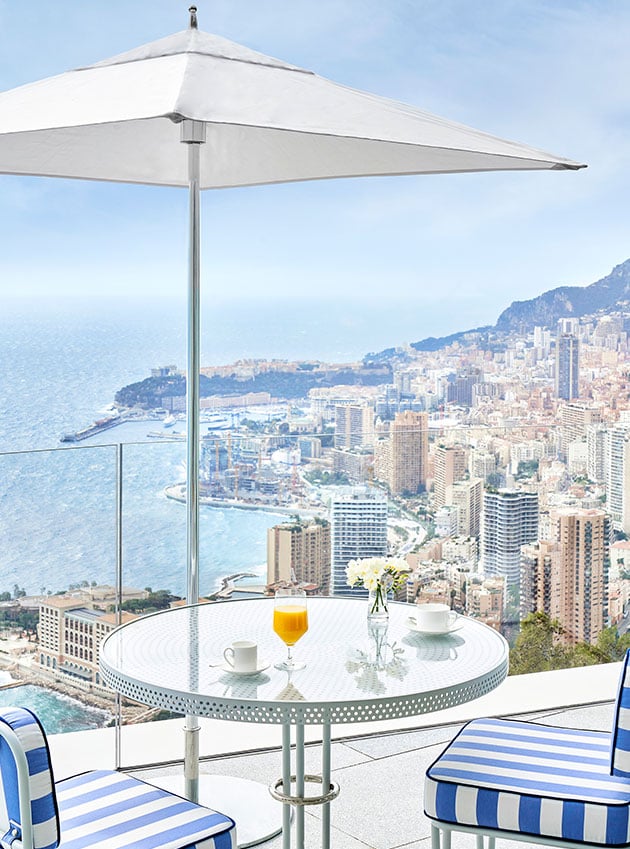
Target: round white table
(354,672)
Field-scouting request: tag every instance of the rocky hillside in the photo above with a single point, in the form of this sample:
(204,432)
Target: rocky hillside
(610,294)
(607,294)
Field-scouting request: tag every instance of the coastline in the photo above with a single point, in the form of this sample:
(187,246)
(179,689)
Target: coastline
(177,492)
(24,675)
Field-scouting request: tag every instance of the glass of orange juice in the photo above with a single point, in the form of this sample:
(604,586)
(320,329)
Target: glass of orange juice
(290,622)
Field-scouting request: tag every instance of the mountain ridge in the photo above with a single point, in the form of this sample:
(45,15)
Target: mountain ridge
(609,294)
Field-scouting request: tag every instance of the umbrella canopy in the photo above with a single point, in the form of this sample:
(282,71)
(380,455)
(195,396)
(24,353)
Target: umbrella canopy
(267,122)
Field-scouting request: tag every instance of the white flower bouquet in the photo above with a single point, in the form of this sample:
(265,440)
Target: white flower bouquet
(378,575)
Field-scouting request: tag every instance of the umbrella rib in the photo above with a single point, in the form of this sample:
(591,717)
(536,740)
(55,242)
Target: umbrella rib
(277,66)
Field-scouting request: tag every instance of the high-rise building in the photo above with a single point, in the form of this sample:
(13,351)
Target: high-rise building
(356,465)
(449,466)
(567,366)
(618,476)
(482,463)
(299,551)
(354,426)
(541,573)
(460,390)
(582,588)
(576,418)
(570,326)
(358,530)
(596,448)
(509,520)
(467,497)
(408,452)
(542,341)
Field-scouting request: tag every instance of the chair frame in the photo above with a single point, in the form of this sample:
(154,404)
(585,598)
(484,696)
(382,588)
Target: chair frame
(441,837)
(24,789)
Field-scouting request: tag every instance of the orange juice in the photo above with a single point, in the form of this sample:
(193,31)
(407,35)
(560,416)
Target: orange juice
(290,622)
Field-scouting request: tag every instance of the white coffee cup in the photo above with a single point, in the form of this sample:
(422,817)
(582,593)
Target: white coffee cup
(435,617)
(242,656)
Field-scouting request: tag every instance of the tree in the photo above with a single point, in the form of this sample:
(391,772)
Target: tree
(527,468)
(612,646)
(537,648)
(158,600)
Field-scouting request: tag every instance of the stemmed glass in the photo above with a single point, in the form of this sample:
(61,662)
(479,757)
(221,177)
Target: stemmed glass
(290,622)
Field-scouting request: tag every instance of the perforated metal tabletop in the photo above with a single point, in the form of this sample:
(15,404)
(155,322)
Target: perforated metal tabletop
(353,673)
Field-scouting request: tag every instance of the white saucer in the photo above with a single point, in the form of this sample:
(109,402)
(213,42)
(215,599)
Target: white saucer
(227,668)
(412,625)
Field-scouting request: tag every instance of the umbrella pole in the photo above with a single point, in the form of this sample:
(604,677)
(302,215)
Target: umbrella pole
(193,134)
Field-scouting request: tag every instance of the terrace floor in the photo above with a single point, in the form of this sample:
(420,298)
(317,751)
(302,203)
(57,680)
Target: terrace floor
(381,771)
(381,779)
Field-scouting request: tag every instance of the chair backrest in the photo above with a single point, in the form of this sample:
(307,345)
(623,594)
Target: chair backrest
(27,780)
(620,739)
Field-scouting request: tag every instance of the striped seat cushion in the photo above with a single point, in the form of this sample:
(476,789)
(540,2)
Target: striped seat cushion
(531,779)
(111,810)
(620,741)
(32,739)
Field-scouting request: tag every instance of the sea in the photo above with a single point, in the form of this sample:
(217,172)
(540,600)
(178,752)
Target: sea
(62,361)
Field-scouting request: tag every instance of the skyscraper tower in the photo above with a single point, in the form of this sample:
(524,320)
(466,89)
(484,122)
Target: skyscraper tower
(582,590)
(299,551)
(467,497)
(510,520)
(409,452)
(567,366)
(541,575)
(358,529)
(618,476)
(449,466)
(354,425)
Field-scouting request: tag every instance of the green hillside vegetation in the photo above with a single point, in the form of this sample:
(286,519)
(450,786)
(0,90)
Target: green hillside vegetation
(537,647)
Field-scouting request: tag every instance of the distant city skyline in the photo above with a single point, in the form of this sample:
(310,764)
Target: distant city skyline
(541,74)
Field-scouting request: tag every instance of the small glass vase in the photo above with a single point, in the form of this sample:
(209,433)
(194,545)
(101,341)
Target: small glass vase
(377,603)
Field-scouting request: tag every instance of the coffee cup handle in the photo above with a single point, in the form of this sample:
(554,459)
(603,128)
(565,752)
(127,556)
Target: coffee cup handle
(228,654)
(452,618)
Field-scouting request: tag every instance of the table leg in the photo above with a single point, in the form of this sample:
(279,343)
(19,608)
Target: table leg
(298,799)
(326,783)
(299,785)
(286,785)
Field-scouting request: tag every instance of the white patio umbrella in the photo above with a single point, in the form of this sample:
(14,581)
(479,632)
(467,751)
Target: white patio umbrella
(244,119)
(199,111)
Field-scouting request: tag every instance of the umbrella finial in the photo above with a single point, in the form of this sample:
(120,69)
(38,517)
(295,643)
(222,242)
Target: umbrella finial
(193,17)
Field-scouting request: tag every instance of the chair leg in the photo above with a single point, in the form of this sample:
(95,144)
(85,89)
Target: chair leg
(491,842)
(441,838)
(479,839)
(435,837)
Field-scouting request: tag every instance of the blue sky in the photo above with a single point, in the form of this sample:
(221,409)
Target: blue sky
(551,74)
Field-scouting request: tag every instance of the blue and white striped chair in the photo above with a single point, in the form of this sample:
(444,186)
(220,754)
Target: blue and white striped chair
(534,783)
(100,809)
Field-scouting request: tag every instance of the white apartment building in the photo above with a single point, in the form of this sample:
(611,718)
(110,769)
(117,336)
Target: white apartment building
(358,529)
(354,426)
(467,497)
(596,447)
(510,520)
(618,476)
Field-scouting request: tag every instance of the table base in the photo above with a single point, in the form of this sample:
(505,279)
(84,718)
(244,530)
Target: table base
(287,798)
(257,816)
